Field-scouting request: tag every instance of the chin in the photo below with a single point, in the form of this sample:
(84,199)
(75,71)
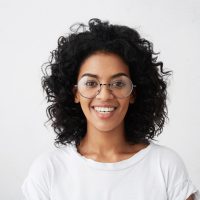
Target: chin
(107,128)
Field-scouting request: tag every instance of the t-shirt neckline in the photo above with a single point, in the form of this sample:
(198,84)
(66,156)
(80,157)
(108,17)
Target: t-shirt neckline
(113,165)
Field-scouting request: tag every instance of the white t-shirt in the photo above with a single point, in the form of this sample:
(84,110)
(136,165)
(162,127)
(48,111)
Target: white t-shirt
(154,173)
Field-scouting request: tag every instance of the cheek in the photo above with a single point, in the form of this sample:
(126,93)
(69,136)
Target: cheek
(124,104)
(85,105)
(124,108)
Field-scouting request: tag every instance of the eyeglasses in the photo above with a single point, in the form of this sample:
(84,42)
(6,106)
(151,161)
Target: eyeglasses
(90,87)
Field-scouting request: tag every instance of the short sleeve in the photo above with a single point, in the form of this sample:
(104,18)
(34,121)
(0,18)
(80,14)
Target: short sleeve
(33,190)
(36,186)
(180,186)
(183,190)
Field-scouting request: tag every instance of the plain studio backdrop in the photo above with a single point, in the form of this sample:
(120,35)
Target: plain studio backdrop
(29,31)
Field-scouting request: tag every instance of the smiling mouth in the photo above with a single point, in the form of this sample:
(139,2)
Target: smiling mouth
(104,109)
(104,112)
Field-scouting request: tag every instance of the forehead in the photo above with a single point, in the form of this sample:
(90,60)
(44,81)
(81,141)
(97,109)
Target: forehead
(103,65)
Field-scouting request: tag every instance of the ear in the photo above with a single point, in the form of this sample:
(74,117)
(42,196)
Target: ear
(76,95)
(76,100)
(132,99)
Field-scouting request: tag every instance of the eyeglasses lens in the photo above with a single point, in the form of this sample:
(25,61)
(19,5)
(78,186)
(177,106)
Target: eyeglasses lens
(89,87)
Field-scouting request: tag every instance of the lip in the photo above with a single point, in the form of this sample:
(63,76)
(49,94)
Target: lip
(104,116)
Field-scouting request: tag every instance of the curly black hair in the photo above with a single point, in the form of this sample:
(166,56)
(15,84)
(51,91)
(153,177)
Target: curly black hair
(145,118)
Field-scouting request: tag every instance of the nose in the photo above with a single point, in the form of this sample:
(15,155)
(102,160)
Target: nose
(105,92)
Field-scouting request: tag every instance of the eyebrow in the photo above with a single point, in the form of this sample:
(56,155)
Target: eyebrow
(113,76)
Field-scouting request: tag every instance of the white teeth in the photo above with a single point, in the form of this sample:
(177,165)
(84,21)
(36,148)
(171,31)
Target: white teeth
(104,109)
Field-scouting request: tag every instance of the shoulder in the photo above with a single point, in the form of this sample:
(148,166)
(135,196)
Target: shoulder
(174,172)
(46,161)
(170,163)
(38,183)
(167,156)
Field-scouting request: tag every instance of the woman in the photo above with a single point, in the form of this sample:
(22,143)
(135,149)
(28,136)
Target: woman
(107,95)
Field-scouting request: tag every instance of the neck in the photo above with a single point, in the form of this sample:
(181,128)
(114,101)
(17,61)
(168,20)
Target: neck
(103,143)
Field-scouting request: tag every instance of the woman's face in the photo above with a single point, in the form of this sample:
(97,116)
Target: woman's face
(104,66)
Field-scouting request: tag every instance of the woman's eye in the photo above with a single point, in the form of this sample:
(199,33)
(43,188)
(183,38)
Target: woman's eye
(91,84)
(118,84)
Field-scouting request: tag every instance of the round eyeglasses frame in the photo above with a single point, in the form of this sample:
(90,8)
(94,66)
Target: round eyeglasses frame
(109,85)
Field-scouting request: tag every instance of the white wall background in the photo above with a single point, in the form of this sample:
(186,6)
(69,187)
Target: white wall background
(29,31)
